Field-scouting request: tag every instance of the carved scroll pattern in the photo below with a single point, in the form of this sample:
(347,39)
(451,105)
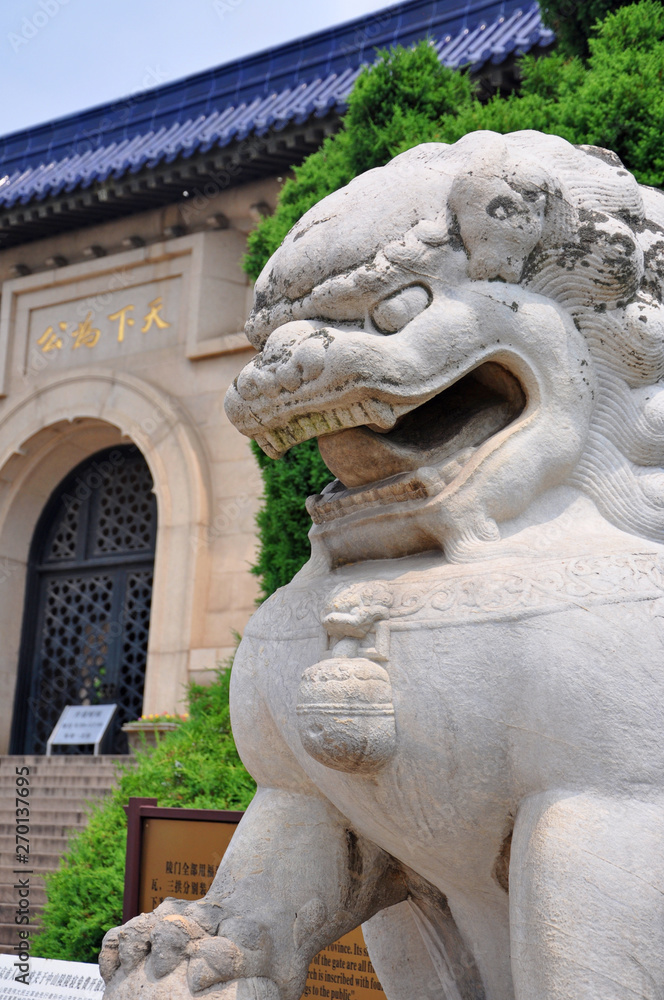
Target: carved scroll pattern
(535,587)
(446,596)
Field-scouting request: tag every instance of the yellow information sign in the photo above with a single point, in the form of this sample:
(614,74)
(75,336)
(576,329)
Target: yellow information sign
(179,857)
(343,971)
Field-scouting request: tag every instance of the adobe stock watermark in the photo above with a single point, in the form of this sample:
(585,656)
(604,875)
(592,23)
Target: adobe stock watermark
(199,198)
(31,26)
(366,34)
(225,521)
(224,7)
(90,139)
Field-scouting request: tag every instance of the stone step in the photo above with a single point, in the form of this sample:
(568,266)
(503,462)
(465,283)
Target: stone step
(9,877)
(73,771)
(78,785)
(8,895)
(7,906)
(8,785)
(50,798)
(46,843)
(8,910)
(10,765)
(47,829)
(38,763)
(38,760)
(8,938)
(48,810)
(69,814)
(43,861)
(60,780)
(61,792)
(80,793)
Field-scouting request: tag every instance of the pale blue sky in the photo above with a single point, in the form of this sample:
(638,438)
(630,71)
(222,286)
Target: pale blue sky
(60,56)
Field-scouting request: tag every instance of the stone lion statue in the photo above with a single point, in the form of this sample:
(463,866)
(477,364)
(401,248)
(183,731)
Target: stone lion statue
(454,711)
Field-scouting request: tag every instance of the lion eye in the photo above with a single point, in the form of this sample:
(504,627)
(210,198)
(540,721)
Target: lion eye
(503,208)
(395,312)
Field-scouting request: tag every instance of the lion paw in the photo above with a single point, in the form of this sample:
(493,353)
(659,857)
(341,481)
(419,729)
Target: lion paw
(184,949)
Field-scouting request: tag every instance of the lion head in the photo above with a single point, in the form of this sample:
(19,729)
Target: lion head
(463,330)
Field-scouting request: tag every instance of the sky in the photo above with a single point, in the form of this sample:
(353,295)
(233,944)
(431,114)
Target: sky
(61,56)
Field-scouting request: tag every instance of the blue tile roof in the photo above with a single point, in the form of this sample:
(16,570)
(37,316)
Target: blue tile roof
(288,85)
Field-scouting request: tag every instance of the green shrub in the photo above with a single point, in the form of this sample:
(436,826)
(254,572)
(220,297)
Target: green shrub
(616,100)
(196,765)
(282,521)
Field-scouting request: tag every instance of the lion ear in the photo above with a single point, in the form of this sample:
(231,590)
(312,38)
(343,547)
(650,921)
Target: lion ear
(506,204)
(599,153)
(498,227)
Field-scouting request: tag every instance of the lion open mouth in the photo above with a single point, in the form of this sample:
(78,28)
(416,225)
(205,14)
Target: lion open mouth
(434,441)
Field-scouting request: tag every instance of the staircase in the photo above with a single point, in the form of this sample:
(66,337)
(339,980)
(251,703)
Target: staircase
(59,789)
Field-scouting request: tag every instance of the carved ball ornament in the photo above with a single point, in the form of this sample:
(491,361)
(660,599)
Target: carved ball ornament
(345,715)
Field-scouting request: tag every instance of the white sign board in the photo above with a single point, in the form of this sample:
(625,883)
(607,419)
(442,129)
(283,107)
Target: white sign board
(81,724)
(49,979)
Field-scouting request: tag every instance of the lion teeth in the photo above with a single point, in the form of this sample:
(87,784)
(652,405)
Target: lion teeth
(451,469)
(379,413)
(336,500)
(276,441)
(268,446)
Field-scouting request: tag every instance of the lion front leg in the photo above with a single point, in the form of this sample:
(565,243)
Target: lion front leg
(295,878)
(587,898)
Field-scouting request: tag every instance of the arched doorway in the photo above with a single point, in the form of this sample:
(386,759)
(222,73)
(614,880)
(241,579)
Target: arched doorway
(88,598)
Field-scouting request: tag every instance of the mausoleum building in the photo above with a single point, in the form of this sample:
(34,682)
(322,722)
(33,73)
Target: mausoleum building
(127,500)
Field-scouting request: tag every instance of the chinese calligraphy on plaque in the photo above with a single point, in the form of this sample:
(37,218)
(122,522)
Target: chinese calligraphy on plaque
(85,334)
(189,880)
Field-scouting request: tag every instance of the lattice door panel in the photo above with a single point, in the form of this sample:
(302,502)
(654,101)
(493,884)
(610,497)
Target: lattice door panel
(136,625)
(126,514)
(89,597)
(63,541)
(73,650)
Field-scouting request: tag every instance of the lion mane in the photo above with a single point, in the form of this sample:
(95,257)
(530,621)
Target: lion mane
(603,260)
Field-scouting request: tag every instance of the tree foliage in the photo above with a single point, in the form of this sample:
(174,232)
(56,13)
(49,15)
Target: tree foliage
(614,99)
(196,765)
(397,104)
(573,21)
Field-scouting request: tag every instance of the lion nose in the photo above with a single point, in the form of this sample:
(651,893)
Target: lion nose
(294,354)
(254,382)
(304,364)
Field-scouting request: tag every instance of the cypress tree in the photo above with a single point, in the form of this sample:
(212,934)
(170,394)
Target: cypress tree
(574,20)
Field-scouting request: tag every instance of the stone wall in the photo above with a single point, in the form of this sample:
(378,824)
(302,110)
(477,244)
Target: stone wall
(131,331)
